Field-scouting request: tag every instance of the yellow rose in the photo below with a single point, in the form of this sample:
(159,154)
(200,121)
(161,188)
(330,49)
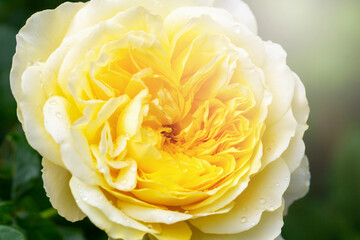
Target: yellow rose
(166,117)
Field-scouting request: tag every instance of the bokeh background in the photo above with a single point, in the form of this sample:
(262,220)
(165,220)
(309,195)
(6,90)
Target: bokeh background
(322,39)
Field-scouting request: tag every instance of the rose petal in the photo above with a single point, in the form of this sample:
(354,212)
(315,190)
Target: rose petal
(268,228)
(153,215)
(280,80)
(295,151)
(240,11)
(277,137)
(38,31)
(264,193)
(177,231)
(97,207)
(33,118)
(299,183)
(75,152)
(56,183)
(99,11)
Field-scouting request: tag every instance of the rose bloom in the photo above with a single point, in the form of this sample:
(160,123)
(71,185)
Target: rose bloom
(162,117)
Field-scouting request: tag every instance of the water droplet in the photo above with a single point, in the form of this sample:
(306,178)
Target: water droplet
(77,200)
(53,102)
(271,208)
(102,169)
(277,184)
(243,220)
(150,226)
(270,147)
(170,218)
(237,29)
(262,201)
(58,115)
(85,198)
(253,224)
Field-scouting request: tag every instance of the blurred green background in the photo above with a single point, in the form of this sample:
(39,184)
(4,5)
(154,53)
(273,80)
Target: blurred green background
(322,39)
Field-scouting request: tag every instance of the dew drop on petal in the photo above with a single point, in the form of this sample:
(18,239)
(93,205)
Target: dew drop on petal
(237,29)
(243,220)
(58,115)
(262,201)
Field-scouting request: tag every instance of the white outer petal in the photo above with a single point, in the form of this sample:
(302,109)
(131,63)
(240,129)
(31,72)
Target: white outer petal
(56,183)
(299,183)
(277,137)
(31,103)
(268,228)
(279,238)
(264,193)
(98,208)
(295,152)
(39,38)
(240,11)
(280,80)
(97,11)
(75,152)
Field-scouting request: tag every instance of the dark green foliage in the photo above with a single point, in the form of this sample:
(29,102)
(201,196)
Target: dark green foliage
(7,233)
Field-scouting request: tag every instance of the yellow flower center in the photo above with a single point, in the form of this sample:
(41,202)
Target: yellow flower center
(172,118)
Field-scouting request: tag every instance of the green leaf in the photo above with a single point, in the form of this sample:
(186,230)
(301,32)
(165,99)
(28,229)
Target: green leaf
(7,103)
(10,233)
(69,233)
(26,167)
(6,211)
(6,156)
(37,228)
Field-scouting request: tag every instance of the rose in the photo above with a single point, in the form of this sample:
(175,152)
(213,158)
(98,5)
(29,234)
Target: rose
(162,117)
